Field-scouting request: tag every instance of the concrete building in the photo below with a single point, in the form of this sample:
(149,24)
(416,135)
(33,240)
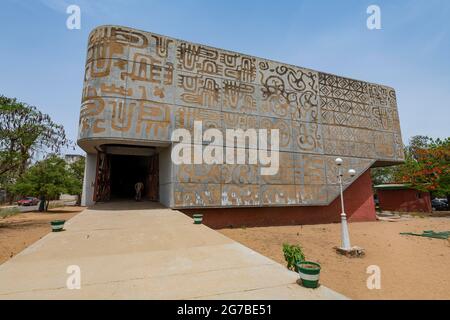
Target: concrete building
(72,158)
(139,87)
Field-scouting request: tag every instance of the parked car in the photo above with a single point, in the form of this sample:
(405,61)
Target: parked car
(439,204)
(28,201)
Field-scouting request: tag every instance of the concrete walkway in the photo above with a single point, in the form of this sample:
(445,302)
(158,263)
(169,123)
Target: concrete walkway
(146,252)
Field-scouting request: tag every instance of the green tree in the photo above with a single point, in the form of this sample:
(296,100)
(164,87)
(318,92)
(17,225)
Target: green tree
(76,171)
(417,143)
(426,167)
(24,131)
(382,175)
(46,179)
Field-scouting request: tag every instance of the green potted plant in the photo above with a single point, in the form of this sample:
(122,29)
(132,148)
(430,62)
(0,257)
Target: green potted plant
(309,271)
(57,225)
(198,218)
(293,254)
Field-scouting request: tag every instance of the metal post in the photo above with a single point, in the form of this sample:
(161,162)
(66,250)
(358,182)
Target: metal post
(345,237)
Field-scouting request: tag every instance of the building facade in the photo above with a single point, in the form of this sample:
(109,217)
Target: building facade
(141,86)
(403,198)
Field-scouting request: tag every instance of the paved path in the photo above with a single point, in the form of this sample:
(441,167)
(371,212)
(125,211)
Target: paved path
(147,252)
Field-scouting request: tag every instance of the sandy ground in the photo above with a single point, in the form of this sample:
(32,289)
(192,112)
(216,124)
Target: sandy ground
(411,267)
(21,230)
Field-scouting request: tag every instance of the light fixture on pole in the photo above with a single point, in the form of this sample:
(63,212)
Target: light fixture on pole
(345,247)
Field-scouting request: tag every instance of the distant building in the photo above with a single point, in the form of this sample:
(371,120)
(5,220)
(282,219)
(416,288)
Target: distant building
(71,158)
(403,198)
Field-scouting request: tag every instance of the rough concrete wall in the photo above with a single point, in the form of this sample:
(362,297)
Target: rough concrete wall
(140,86)
(404,200)
(87,198)
(165,178)
(359,204)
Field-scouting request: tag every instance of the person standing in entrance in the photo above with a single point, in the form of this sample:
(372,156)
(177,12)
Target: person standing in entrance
(138,187)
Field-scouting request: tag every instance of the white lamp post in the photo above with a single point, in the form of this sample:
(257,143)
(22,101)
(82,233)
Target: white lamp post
(345,238)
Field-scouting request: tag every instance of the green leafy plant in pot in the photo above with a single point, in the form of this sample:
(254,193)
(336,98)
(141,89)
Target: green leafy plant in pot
(309,271)
(293,254)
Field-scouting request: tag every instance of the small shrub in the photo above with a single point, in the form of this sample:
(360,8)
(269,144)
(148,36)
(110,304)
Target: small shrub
(7,212)
(293,254)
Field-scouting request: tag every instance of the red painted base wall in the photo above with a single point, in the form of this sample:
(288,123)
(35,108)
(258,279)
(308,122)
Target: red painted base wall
(359,205)
(404,200)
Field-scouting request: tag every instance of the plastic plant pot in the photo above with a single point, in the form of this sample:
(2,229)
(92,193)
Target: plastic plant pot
(309,273)
(58,225)
(198,218)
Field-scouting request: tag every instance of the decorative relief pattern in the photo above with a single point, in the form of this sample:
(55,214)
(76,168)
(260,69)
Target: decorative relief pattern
(184,117)
(347,141)
(197,195)
(354,103)
(399,153)
(289,92)
(362,118)
(91,122)
(240,195)
(343,88)
(114,42)
(285,131)
(199,91)
(240,174)
(114,117)
(285,175)
(239,97)
(198,173)
(309,169)
(307,137)
(139,85)
(274,195)
(207,61)
(312,194)
(384,145)
(358,164)
(147,69)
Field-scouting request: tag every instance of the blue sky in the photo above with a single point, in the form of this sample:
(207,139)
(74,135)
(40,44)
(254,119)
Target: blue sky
(42,62)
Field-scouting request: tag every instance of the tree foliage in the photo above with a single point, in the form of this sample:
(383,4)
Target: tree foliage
(76,171)
(48,179)
(293,254)
(426,167)
(383,175)
(24,130)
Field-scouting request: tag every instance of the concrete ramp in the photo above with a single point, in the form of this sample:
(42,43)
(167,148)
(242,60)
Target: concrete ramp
(128,250)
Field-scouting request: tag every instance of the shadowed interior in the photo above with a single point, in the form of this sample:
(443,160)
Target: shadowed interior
(126,171)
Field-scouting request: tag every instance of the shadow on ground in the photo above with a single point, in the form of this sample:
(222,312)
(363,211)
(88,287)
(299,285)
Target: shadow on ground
(118,205)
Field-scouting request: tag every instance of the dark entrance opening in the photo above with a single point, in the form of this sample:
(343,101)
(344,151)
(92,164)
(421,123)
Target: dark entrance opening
(120,167)
(127,170)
